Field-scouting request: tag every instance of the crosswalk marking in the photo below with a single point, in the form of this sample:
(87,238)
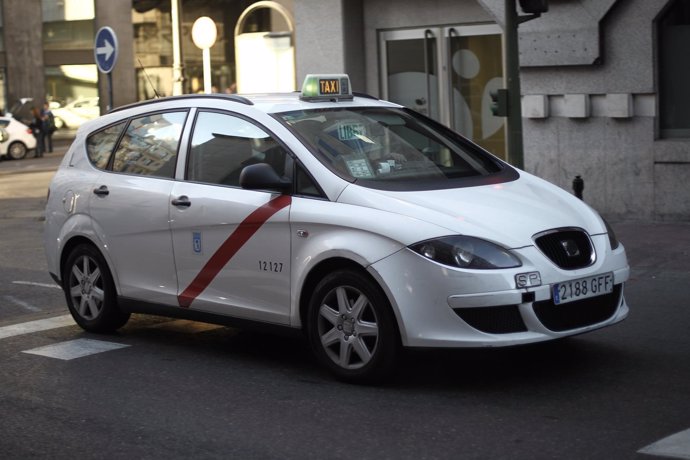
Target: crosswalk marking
(36,326)
(184,326)
(21,303)
(674,446)
(75,349)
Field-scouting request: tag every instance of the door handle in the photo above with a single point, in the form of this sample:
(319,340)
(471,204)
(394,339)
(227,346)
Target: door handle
(101,191)
(182,201)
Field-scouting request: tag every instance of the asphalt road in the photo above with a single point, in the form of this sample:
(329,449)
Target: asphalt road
(178,389)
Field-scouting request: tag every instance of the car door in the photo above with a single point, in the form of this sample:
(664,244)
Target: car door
(232,246)
(130,205)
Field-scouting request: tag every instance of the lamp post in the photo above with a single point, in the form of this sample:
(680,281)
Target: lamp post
(204,36)
(178,71)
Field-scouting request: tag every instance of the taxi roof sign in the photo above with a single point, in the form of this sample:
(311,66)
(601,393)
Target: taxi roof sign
(319,87)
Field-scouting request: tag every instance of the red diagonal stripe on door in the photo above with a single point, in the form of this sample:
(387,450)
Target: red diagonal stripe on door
(244,231)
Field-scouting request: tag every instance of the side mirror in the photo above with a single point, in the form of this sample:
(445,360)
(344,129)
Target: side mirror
(261,176)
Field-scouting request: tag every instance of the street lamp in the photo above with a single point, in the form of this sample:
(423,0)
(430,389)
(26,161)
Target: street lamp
(204,36)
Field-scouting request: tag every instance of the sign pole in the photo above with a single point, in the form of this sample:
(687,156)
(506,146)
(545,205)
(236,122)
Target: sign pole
(110,91)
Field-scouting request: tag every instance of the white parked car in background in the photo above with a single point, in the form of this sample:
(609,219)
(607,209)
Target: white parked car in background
(20,139)
(75,113)
(363,224)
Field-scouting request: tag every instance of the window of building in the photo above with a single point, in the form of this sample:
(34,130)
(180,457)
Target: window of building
(68,24)
(72,91)
(674,71)
(153,43)
(71,80)
(150,145)
(153,47)
(222,145)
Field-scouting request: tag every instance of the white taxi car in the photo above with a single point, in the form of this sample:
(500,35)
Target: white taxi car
(362,223)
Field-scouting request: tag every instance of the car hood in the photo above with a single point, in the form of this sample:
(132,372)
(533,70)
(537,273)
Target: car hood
(509,213)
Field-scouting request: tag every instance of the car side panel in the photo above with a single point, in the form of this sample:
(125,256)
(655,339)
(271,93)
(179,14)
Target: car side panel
(323,230)
(232,251)
(131,221)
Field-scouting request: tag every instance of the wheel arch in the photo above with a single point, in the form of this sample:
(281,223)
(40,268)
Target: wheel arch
(76,241)
(323,268)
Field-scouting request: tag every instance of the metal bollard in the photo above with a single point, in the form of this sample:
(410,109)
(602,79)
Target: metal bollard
(578,186)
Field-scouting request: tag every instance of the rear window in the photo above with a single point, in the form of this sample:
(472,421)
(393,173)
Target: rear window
(100,145)
(394,149)
(145,145)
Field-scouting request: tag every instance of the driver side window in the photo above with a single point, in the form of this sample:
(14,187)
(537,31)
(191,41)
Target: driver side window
(223,145)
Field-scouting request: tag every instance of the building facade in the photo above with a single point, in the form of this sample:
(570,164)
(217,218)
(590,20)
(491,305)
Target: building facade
(604,88)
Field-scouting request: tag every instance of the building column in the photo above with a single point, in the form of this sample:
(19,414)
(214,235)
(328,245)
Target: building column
(117,14)
(330,39)
(23,34)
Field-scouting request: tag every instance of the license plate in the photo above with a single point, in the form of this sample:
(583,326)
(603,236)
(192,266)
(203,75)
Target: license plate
(584,288)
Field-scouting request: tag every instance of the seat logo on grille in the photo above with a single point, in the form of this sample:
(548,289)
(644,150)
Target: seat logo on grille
(570,248)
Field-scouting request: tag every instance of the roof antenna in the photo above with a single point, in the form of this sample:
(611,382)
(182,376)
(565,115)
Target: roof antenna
(148,79)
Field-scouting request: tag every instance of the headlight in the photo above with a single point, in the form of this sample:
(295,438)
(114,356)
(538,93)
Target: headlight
(612,236)
(466,252)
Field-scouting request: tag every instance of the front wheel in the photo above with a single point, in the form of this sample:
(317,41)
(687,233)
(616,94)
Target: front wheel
(351,328)
(90,291)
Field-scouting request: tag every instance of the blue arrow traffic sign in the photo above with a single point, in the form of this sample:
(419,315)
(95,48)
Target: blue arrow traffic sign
(105,49)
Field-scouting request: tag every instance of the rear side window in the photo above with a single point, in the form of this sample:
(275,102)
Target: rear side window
(100,145)
(150,144)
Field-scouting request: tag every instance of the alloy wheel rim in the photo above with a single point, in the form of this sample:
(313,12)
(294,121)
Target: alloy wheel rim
(86,287)
(348,327)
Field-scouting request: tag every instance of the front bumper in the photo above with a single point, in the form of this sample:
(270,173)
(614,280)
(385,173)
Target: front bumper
(438,306)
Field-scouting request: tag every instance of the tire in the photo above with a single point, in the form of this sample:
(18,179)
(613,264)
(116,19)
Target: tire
(90,291)
(351,328)
(16,151)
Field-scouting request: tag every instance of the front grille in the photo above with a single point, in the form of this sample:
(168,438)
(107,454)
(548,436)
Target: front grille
(580,313)
(570,249)
(504,319)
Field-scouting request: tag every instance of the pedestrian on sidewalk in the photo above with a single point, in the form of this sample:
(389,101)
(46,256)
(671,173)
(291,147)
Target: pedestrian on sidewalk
(48,127)
(36,126)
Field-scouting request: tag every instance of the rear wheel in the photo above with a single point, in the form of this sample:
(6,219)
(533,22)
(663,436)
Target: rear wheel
(90,291)
(351,328)
(16,151)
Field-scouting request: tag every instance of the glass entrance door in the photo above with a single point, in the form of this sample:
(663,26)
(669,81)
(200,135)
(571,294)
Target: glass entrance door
(447,74)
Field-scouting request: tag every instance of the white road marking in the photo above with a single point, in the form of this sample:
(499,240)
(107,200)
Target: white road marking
(31,283)
(75,349)
(674,446)
(21,303)
(36,326)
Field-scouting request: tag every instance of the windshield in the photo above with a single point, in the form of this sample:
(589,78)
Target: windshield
(391,148)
